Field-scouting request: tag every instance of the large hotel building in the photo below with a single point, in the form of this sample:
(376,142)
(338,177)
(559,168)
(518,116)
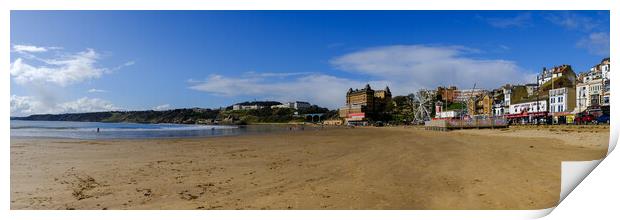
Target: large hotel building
(365,104)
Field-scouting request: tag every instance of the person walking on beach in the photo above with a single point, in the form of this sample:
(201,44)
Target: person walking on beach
(97,130)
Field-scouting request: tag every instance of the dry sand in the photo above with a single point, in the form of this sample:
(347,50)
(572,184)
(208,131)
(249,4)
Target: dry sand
(361,168)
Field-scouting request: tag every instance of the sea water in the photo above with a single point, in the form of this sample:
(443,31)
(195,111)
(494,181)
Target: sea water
(88,130)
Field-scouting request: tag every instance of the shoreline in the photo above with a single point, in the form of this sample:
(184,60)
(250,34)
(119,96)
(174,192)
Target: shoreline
(224,124)
(361,168)
(148,131)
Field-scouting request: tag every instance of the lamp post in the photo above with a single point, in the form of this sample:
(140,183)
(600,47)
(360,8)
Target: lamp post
(537,103)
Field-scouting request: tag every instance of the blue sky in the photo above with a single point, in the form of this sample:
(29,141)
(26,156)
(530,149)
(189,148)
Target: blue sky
(75,61)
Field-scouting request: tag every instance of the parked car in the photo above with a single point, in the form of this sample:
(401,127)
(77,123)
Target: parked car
(603,119)
(583,118)
(595,110)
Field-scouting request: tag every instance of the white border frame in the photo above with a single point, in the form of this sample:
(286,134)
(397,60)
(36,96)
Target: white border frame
(295,5)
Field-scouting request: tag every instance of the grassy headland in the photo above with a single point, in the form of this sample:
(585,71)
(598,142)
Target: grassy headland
(189,116)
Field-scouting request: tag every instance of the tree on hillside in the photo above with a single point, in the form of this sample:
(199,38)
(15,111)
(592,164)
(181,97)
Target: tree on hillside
(313,109)
(402,108)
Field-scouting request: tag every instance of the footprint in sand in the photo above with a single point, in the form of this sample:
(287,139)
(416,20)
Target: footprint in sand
(146,192)
(186,195)
(83,186)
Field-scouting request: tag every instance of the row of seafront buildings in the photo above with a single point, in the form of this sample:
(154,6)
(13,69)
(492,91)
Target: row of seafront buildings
(558,95)
(297,105)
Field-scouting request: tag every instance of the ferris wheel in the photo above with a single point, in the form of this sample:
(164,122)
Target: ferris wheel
(422,105)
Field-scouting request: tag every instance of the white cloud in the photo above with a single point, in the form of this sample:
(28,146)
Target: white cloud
(596,43)
(25,105)
(520,20)
(162,107)
(31,48)
(61,71)
(96,91)
(410,67)
(43,73)
(320,89)
(28,105)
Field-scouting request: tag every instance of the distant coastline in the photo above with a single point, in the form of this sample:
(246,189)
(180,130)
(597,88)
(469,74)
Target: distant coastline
(177,116)
(181,116)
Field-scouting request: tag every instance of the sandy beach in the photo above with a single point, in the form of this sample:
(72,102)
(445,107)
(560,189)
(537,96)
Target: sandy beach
(361,168)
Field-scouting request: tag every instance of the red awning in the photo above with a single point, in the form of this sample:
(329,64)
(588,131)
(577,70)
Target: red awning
(518,115)
(537,114)
(525,114)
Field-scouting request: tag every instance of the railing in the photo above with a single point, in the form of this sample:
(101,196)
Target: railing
(449,124)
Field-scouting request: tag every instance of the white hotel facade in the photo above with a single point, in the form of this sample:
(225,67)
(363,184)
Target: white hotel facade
(593,90)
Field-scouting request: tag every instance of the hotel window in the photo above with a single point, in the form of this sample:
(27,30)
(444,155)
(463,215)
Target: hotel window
(552,100)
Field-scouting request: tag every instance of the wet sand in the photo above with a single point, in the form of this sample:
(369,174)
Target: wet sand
(361,168)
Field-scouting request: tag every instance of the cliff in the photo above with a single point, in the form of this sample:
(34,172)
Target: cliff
(177,116)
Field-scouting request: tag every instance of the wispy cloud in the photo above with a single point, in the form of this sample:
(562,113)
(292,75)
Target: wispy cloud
(96,91)
(573,21)
(126,64)
(596,43)
(596,39)
(28,105)
(280,75)
(31,48)
(504,47)
(520,20)
(405,68)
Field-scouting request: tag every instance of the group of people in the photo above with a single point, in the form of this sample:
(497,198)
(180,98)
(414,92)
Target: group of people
(296,128)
